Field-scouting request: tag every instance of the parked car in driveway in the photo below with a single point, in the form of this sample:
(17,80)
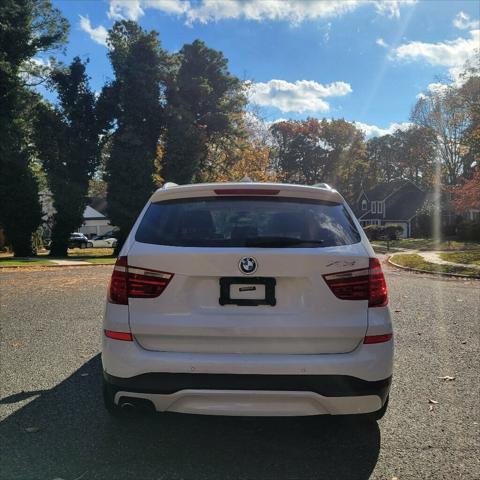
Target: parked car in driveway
(247,299)
(78,240)
(103,241)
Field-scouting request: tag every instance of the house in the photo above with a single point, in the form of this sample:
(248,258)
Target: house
(95,220)
(390,203)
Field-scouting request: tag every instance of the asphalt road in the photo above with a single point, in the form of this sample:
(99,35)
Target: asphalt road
(53,425)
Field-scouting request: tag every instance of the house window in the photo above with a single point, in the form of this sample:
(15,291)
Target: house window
(380,207)
(374,207)
(364,204)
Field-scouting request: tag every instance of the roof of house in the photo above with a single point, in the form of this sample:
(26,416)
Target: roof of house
(383,190)
(92,214)
(403,199)
(99,204)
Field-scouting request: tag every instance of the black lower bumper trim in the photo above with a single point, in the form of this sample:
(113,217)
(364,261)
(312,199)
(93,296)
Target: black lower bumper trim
(326,385)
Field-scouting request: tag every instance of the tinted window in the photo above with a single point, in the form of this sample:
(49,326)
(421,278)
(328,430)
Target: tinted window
(247,222)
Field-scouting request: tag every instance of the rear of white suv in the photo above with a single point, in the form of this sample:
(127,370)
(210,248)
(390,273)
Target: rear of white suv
(247,299)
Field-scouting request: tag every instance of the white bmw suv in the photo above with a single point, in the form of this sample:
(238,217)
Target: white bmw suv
(247,299)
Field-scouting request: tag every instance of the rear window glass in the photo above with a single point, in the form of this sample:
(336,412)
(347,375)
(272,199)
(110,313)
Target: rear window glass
(247,222)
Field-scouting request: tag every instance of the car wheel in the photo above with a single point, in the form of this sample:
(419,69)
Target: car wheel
(83,245)
(90,245)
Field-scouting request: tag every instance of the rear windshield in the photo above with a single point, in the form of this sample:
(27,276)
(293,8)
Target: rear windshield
(247,222)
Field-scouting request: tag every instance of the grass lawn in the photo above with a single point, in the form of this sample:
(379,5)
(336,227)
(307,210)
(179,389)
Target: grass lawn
(412,260)
(427,244)
(108,260)
(21,262)
(471,257)
(90,252)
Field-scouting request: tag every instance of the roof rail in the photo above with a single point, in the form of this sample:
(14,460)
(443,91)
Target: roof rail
(170,185)
(323,185)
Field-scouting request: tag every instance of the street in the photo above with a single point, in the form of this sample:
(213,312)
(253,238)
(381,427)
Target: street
(53,424)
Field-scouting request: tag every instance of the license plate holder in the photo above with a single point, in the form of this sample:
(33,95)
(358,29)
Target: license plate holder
(227,282)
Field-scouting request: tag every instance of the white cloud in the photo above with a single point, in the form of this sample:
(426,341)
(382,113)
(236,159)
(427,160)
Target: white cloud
(97,34)
(391,8)
(292,11)
(125,10)
(381,42)
(301,96)
(374,131)
(451,53)
(464,22)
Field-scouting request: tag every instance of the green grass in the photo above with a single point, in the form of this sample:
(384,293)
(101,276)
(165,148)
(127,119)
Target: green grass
(107,260)
(412,260)
(21,262)
(427,244)
(90,252)
(471,257)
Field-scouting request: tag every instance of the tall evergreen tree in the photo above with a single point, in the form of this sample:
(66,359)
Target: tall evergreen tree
(27,27)
(134,102)
(205,102)
(67,140)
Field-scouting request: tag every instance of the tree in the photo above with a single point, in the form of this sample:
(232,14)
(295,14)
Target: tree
(467,195)
(205,105)
(28,27)
(67,140)
(382,157)
(313,151)
(134,103)
(415,151)
(444,113)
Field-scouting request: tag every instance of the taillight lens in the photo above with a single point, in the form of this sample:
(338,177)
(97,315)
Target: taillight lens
(361,284)
(117,293)
(134,282)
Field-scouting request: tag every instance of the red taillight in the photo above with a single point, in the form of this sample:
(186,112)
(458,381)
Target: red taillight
(125,336)
(378,296)
(361,284)
(377,338)
(246,191)
(117,293)
(134,282)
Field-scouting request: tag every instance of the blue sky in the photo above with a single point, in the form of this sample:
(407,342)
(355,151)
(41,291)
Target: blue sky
(362,60)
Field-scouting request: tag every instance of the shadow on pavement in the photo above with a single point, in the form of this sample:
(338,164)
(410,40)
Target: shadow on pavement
(65,433)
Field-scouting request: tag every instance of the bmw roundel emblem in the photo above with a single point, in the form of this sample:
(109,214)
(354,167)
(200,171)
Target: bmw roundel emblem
(247,265)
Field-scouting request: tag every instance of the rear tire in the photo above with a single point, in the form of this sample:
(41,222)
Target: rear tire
(83,245)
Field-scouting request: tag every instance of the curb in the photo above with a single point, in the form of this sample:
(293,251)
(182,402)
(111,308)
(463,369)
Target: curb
(440,274)
(40,266)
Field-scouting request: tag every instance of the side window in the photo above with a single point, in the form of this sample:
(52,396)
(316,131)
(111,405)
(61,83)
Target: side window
(380,207)
(364,204)
(374,207)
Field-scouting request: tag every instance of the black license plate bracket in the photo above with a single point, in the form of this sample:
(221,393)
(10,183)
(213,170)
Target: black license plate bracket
(226,282)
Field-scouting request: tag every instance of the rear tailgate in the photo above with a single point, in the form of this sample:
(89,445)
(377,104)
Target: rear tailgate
(209,240)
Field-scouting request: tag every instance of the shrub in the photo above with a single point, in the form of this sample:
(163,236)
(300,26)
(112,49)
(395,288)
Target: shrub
(468,230)
(374,232)
(392,232)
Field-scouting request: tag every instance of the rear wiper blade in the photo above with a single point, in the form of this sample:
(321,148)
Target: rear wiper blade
(266,242)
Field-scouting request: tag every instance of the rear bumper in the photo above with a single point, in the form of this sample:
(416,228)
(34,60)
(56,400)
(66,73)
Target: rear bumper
(257,395)
(367,362)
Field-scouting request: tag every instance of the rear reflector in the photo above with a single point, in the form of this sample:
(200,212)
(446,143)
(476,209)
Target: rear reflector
(125,336)
(377,338)
(361,284)
(246,191)
(134,282)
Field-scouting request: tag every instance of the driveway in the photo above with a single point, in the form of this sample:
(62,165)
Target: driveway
(54,426)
